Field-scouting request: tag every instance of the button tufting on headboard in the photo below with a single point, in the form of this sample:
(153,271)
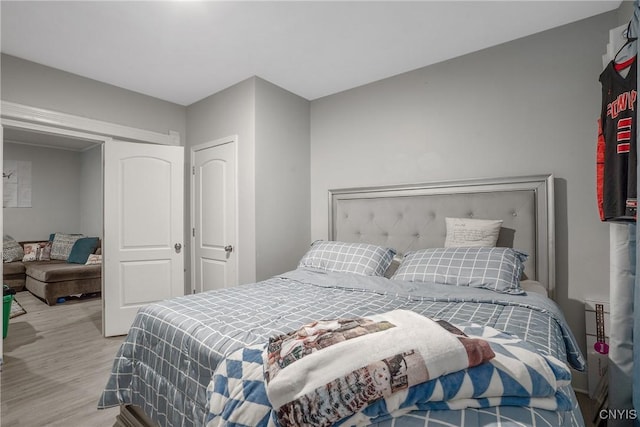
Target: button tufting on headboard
(413,217)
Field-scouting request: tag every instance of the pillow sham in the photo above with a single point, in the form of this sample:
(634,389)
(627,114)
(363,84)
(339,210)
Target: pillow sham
(37,251)
(30,252)
(358,258)
(497,269)
(44,253)
(11,250)
(468,232)
(62,245)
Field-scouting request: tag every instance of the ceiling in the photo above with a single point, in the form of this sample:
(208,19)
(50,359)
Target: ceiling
(184,51)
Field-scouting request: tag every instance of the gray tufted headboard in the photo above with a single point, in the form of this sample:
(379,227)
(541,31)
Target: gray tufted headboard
(409,217)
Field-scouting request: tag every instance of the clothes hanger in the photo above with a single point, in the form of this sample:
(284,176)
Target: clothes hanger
(619,66)
(630,59)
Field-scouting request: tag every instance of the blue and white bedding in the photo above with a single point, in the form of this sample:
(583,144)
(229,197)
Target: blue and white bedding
(173,348)
(517,376)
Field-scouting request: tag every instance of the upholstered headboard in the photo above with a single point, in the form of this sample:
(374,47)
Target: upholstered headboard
(409,217)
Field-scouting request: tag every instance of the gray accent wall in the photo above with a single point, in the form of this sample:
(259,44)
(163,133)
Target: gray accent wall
(625,12)
(231,112)
(55,193)
(272,126)
(36,85)
(91,192)
(522,108)
(282,179)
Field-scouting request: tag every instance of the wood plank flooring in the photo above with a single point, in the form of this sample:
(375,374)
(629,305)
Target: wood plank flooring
(56,363)
(587,406)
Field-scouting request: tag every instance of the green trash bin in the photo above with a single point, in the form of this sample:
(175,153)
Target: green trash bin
(7,298)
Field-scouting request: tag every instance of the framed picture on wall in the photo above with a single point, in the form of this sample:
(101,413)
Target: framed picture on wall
(16,181)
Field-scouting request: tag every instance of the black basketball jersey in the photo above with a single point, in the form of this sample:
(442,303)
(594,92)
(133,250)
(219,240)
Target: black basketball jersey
(618,127)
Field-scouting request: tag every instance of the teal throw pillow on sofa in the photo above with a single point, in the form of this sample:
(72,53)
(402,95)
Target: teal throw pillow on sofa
(81,250)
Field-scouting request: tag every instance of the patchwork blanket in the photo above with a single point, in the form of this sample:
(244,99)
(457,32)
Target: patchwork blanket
(517,376)
(327,370)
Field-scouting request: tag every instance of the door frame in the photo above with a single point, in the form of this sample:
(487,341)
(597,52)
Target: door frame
(231,139)
(33,118)
(26,117)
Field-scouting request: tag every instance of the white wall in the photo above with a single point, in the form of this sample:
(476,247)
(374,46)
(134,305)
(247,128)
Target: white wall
(55,193)
(525,107)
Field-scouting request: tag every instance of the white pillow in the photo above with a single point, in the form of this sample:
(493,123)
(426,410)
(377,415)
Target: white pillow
(473,233)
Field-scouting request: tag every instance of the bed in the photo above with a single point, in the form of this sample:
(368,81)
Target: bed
(170,368)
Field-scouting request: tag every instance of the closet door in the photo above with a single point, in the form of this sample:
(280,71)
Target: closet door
(143,229)
(213,206)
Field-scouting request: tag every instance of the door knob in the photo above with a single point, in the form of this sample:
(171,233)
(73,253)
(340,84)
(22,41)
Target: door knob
(228,249)
(177,247)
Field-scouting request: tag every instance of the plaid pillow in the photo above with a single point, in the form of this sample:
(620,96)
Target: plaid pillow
(497,269)
(358,258)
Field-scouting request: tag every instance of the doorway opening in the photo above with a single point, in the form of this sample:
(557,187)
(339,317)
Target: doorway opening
(132,164)
(53,187)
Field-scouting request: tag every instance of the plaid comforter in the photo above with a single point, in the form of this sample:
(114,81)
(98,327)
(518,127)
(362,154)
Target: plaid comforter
(174,347)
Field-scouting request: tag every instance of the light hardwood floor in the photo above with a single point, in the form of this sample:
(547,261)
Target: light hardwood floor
(56,363)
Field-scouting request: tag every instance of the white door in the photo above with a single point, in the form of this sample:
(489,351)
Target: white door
(1,226)
(213,207)
(143,229)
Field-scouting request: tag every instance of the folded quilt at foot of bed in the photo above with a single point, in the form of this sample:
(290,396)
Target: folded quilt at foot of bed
(517,376)
(368,358)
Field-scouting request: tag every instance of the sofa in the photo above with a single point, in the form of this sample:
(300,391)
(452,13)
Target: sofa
(50,279)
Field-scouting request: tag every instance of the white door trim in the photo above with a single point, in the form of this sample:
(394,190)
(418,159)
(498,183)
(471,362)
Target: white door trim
(15,113)
(1,232)
(192,206)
